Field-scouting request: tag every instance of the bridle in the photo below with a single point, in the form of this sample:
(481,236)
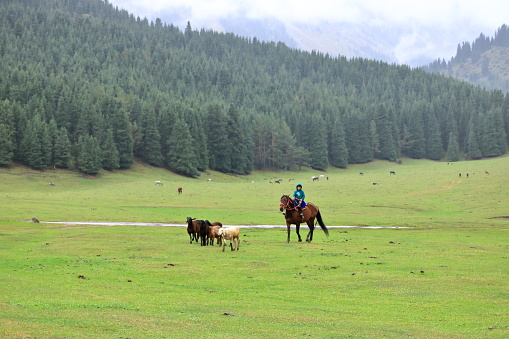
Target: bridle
(289,205)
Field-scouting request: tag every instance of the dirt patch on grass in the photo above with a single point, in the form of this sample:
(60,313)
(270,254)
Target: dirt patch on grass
(506,217)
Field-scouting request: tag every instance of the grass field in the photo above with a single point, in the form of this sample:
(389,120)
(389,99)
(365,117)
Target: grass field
(443,276)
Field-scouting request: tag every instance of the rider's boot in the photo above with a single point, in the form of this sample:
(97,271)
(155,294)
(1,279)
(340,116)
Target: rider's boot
(300,212)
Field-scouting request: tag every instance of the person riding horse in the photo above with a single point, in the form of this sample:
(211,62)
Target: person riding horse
(298,198)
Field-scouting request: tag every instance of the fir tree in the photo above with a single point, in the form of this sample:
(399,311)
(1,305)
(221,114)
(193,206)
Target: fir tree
(52,130)
(217,140)
(338,153)
(194,121)
(110,157)
(89,155)
(6,154)
(472,148)
(357,139)
(416,147)
(32,144)
(238,154)
(386,140)
(121,127)
(181,157)
(434,148)
(318,144)
(150,140)
(375,140)
(62,150)
(453,148)
(7,119)
(287,147)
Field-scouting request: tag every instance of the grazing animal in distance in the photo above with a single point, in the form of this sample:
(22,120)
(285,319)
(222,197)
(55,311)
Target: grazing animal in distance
(392,172)
(361,173)
(34,219)
(486,172)
(232,234)
(160,183)
(309,213)
(314,178)
(179,190)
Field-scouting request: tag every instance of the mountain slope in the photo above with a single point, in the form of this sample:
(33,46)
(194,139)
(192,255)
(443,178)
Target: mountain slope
(491,70)
(484,62)
(85,86)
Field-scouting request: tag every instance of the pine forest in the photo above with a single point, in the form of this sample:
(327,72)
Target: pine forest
(87,86)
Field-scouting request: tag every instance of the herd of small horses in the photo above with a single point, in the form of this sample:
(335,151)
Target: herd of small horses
(207,232)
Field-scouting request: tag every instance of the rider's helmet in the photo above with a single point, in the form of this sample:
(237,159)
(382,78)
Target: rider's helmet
(299,184)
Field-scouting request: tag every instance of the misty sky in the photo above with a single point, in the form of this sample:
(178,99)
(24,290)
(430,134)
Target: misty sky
(459,20)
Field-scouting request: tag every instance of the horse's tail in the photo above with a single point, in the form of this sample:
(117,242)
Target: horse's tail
(320,222)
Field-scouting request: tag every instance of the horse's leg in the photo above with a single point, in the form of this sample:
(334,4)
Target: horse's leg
(288,231)
(311,226)
(297,227)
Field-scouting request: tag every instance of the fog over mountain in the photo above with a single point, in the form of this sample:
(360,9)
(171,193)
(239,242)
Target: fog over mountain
(413,33)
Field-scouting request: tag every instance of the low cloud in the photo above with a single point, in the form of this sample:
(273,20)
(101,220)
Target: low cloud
(432,27)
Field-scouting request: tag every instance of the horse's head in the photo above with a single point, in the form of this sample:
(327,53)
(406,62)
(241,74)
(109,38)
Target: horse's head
(285,203)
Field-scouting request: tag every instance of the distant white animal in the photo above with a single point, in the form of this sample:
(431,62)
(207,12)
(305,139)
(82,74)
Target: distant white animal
(232,234)
(159,183)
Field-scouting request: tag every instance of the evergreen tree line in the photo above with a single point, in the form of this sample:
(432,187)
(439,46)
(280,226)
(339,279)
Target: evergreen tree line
(85,85)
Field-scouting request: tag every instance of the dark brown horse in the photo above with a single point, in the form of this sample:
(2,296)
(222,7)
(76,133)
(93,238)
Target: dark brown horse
(193,229)
(309,213)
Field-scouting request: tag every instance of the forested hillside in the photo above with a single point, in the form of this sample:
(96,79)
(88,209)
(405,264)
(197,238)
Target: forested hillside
(86,86)
(484,62)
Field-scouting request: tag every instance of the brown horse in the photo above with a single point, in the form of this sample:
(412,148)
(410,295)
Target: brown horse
(193,229)
(309,213)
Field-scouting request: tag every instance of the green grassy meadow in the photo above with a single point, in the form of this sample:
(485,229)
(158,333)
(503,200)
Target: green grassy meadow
(442,274)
